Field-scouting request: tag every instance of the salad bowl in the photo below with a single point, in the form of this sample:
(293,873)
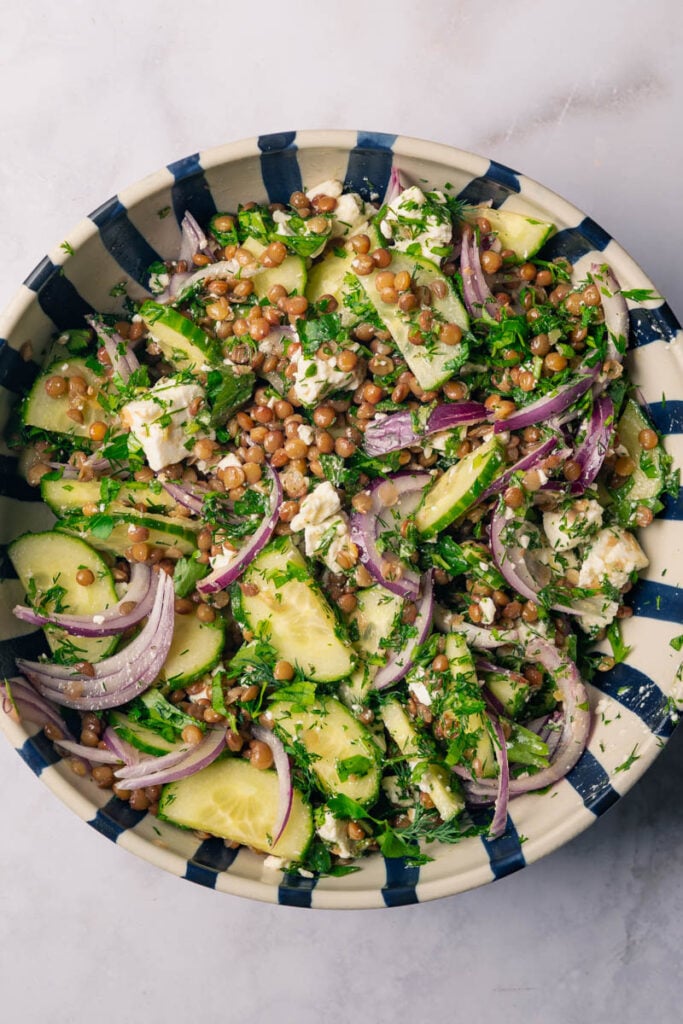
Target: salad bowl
(633,705)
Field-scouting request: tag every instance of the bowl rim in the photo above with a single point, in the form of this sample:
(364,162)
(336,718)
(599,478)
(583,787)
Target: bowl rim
(397,146)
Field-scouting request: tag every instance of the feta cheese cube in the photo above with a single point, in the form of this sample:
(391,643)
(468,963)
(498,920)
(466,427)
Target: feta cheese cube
(332,187)
(160,422)
(414,218)
(334,833)
(322,502)
(569,527)
(314,378)
(614,555)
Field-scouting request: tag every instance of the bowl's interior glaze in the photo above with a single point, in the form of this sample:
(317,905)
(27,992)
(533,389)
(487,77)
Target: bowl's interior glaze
(633,702)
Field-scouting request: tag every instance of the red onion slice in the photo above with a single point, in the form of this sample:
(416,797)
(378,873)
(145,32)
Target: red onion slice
(367,529)
(500,815)
(477,294)
(193,239)
(576,722)
(395,187)
(548,405)
(18,693)
(592,451)
(219,579)
(615,309)
(399,662)
(199,756)
(124,751)
(284,774)
(110,621)
(117,679)
(93,754)
(123,359)
(529,461)
(512,558)
(184,496)
(397,431)
(149,763)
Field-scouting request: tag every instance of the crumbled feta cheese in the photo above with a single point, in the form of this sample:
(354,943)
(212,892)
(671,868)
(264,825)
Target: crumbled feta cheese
(334,832)
(159,421)
(569,527)
(415,218)
(314,378)
(228,460)
(420,693)
(98,619)
(223,560)
(614,555)
(595,613)
(333,187)
(306,433)
(272,863)
(349,216)
(393,792)
(488,610)
(322,502)
(328,540)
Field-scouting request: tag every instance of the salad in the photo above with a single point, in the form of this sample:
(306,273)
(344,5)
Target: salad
(342,511)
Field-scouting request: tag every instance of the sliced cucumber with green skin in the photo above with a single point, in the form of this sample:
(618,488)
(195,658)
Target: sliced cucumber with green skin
(196,648)
(463,677)
(459,487)
(40,410)
(327,277)
(441,785)
(236,801)
(523,234)
(113,534)
(46,560)
(647,481)
(289,610)
(336,739)
(184,344)
(65,496)
(140,736)
(429,362)
(291,273)
(374,618)
(512,691)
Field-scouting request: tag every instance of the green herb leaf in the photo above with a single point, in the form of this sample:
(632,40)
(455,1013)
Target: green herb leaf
(188,572)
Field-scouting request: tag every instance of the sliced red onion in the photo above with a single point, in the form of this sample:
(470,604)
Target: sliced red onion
(397,431)
(500,815)
(576,722)
(93,754)
(513,560)
(193,238)
(117,679)
(399,662)
(591,453)
(110,621)
(549,405)
(199,756)
(124,751)
(477,294)
(284,774)
(483,638)
(18,693)
(395,187)
(524,464)
(615,309)
(221,578)
(146,764)
(184,496)
(367,529)
(123,359)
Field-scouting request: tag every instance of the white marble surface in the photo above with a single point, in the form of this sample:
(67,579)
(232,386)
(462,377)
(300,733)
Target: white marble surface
(585,97)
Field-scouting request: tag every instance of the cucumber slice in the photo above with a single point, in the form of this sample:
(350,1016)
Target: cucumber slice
(39,410)
(429,363)
(524,235)
(291,273)
(181,341)
(374,618)
(195,649)
(327,277)
(463,677)
(112,531)
(647,481)
(290,612)
(233,799)
(459,487)
(442,786)
(139,736)
(46,560)
(511,691)
(66,496)
(334,737)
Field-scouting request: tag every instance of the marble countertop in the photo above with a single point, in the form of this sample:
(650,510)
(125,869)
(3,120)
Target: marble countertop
(94,97)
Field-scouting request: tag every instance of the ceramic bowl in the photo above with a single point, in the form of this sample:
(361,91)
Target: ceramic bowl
(632,704)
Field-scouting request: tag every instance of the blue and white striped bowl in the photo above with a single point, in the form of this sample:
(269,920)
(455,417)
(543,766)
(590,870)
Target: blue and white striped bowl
(632,704)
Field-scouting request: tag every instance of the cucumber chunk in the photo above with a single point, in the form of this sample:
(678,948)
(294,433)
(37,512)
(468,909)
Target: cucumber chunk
(291,273)
(345,756)
(459,487)
(40,410)
(233,799)
(181,341)
(463,685)
(327,277)
(65,496)
(648,479)
(47,560)
(112,532)
(196,648)
(523,234)
(435,780)
(430,362)
(140,736)
(290,612)
(375,617)
(511,691)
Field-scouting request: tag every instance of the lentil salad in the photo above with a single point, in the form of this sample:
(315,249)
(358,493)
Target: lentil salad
(386,457)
